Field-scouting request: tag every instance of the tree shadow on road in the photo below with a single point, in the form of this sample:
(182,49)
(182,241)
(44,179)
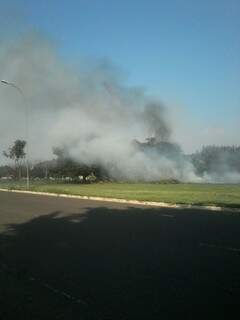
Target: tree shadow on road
(121,264)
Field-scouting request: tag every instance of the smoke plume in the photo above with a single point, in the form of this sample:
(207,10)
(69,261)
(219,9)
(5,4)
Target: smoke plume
(88,110)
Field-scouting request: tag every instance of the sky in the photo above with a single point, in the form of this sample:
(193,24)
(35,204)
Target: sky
(185,52)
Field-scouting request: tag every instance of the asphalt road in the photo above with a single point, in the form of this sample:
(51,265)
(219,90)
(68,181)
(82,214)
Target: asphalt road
(77,259)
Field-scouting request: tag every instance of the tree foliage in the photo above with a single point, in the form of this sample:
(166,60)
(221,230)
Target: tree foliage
(216,159)
(17,154)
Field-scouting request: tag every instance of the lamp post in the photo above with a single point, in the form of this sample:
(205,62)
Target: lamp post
(26,124)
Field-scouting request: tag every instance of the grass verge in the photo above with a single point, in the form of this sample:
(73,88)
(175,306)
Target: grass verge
(223,195)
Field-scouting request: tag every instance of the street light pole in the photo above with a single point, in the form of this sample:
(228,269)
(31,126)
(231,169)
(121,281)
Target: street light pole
(26,124)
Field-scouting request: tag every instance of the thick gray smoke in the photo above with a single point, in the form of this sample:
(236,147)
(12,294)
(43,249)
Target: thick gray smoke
(86,109)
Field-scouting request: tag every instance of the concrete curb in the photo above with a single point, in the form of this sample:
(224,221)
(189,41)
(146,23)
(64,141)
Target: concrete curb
(135,202)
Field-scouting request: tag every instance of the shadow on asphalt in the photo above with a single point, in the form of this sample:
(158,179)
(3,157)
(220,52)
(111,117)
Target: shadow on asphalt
(121,264)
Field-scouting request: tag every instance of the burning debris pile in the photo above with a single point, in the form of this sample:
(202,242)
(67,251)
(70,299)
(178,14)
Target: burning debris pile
(170,153)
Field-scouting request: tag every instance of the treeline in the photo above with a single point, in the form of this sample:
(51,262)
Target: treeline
(62,167)
(210,160)
(216,160)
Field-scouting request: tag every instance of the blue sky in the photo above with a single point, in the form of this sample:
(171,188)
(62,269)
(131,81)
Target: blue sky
(186,52)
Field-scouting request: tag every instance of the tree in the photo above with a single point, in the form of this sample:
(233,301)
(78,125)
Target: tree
(17,154)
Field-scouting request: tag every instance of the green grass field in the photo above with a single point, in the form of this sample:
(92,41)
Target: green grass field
(195,194)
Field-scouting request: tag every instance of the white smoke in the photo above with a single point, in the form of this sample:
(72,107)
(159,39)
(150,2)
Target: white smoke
(88,109)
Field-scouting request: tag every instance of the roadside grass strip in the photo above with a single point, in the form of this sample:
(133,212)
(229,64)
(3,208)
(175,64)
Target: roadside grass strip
(133,202)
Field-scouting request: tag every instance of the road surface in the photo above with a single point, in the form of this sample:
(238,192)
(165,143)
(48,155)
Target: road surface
(78,259)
